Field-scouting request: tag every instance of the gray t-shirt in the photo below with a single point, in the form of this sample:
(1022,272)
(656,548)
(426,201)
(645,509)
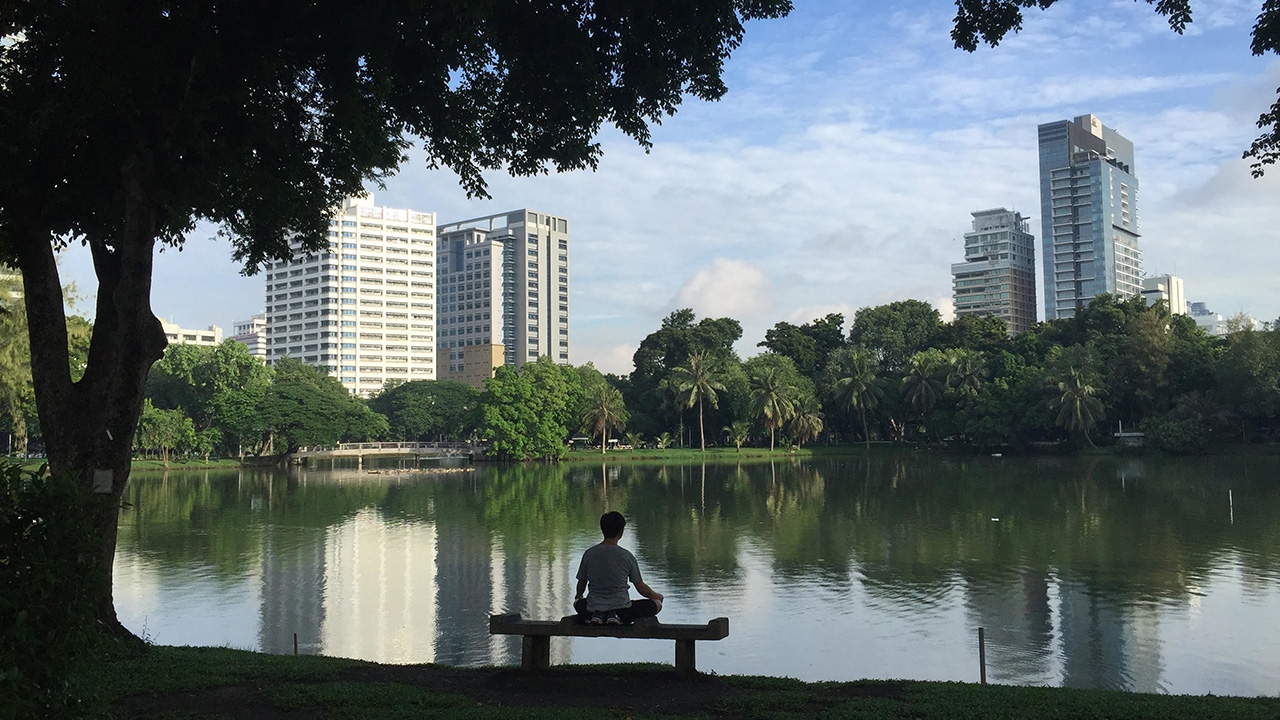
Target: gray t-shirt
(607,570)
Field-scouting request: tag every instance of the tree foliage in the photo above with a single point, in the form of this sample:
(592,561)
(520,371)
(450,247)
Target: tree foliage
(125,123)
(528,414)
(425,410)
(773,395)
(604,411)
(696,383)
(895,332)
(306,407)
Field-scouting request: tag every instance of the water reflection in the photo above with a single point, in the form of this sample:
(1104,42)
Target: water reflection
(1126,574)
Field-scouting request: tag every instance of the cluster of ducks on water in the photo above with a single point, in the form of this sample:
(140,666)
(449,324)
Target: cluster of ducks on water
(429,471)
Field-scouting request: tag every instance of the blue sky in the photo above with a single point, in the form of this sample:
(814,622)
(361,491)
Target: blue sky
(840,171)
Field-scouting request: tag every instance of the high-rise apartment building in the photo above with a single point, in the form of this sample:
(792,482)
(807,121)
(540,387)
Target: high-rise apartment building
(364,307)
(1088,215)
(503,298)
(998,275)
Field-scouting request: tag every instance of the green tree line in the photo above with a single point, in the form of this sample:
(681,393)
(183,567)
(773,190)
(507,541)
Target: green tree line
(902,374)
(899,374)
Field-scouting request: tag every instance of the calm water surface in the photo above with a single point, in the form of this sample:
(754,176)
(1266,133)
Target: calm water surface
(1102,573)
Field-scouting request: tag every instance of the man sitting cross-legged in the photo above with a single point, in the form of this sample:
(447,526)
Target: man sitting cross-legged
(607,568)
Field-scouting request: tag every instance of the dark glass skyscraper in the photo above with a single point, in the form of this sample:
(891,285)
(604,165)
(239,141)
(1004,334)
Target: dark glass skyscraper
(1089,215)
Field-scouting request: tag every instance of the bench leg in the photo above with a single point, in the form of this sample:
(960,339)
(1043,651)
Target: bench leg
(685,659)
(535,652)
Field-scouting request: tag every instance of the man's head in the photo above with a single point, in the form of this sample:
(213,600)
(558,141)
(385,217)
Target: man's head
(611,524)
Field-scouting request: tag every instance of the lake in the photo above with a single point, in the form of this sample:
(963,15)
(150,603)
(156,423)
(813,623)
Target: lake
(1149,575)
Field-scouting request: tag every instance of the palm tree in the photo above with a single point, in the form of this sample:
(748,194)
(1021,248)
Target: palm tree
(922,385)
(738,432)
(806,423)
(1078,405)
(924,382)
(772,400)
(605,411)
(635,440)
(860,389)
(965,371)
(697,382)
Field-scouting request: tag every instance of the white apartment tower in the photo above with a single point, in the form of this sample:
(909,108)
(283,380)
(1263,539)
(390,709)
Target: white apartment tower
(503,292)
(363,308)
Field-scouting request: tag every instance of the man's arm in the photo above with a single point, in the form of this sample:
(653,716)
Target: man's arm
(582,587)
(643,588)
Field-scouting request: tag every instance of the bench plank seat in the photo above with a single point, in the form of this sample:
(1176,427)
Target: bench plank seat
(537,634)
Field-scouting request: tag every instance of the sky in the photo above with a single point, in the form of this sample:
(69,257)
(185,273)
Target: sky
(841,168)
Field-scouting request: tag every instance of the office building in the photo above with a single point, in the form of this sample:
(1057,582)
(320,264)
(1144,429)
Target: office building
(1168,288)
(364,307)
(182,336)
(998,275)
(503,293)
(1215,324)
(253,334)
(1088,215)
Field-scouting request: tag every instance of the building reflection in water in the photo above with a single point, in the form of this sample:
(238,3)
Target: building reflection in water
(1017,615)
(380,589)
(1043,631)
(1105,645)
(293,579)
(395,591)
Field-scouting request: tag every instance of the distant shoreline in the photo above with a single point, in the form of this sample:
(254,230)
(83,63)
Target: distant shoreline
(728,454)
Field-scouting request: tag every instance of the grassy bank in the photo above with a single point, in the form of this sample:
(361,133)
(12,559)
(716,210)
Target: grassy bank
(728,454)
(218,683)
(157,465)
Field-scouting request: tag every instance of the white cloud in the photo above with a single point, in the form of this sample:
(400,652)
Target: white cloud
(616,359)
(729,288)
(946,307)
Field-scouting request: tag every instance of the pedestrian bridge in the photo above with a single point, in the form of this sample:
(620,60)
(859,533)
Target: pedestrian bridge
(359,451)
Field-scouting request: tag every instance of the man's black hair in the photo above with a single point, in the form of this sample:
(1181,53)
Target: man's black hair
(611,523)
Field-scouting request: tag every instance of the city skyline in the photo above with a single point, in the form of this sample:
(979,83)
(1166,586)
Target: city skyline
(838,170)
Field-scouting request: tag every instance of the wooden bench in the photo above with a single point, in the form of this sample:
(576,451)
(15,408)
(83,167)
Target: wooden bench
(536,646)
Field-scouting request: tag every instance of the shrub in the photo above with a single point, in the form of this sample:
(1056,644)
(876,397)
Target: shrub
(48,560)
(1186,436)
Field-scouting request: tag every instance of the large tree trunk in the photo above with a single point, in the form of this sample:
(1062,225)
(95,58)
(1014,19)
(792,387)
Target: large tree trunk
(88,425)
(866,435)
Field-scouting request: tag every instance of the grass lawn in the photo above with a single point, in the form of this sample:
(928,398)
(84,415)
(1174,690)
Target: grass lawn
(151,465)
(170,682)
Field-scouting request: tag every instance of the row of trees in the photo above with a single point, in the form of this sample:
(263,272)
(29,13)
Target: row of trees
(900,373)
